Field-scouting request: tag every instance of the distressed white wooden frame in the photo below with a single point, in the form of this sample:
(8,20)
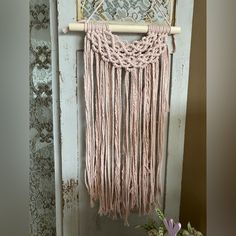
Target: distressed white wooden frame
(65,100)
(68,45)
(56,117)
(178,105)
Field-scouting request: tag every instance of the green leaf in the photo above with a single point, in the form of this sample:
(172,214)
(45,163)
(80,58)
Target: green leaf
(185,233)
(190,229)
(161,231)
(160,214)
(153,232)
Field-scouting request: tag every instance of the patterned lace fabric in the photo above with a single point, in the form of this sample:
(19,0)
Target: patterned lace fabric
(129,10)
(124,54)
(42,184)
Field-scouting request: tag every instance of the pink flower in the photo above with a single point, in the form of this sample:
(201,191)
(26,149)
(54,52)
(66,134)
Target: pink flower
(171,227)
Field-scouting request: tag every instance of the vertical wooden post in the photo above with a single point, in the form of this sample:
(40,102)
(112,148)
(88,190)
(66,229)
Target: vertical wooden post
(79,10)
(56,117)
(179,89)
(68,45)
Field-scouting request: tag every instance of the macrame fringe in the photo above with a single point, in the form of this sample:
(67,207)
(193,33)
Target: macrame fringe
(125,116)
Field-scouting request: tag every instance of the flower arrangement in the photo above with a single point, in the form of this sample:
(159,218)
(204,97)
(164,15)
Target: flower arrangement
(167,227)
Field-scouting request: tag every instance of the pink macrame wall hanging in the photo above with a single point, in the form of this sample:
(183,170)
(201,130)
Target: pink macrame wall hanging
(127,100)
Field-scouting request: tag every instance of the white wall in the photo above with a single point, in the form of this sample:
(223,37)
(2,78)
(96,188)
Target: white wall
(193,184)
(221,117)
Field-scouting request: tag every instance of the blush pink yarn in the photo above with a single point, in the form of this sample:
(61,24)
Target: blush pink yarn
(127,99)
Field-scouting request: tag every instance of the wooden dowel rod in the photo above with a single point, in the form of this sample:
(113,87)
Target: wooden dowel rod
(122,28)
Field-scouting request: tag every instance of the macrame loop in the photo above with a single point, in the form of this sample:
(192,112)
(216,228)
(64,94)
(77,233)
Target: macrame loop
(123,54)
(95,27)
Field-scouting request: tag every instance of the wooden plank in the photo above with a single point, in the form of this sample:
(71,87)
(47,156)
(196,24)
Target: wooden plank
(121,28)
(68,46)
(56,116)
(178,104)
(79,10)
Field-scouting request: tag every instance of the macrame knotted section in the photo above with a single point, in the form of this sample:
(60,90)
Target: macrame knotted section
(127,98)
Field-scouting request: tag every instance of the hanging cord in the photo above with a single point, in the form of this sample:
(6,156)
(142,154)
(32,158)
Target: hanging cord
(167,21)
(96,9)
(162,13)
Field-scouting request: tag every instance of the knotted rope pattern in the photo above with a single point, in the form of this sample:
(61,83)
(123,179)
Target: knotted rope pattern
(126,104)
(127,55)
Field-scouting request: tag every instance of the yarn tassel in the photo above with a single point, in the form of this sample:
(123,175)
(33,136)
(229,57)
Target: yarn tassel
(163,109)
(125,112)
(154,109)
(134,138)
(140,125)
(88,107)
(118,117)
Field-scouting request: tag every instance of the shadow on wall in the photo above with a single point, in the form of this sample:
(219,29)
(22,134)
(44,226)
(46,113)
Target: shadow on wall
(193,199)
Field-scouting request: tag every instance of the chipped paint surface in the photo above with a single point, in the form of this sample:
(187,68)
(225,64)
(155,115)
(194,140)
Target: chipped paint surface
(70,194)
(182,69)
(180,77)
